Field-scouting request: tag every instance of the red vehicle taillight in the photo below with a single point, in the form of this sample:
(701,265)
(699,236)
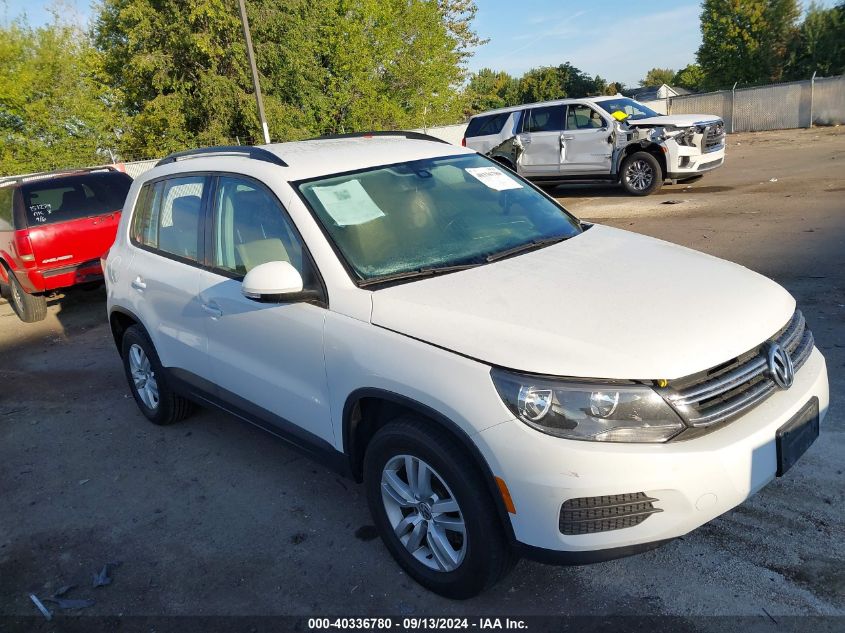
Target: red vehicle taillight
(24,248)
(464,142)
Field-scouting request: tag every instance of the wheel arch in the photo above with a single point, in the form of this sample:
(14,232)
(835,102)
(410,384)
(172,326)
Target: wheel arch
(368,409)
(120,320)
(5,271)
(651,148)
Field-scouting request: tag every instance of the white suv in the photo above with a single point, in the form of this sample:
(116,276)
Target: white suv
(599,139)
(503,378)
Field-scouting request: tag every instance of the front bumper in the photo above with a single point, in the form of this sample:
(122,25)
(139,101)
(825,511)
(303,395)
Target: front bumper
(691,481)
(685,162)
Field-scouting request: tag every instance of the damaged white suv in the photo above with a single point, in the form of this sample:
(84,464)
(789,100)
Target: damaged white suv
(599,139)
(504,379)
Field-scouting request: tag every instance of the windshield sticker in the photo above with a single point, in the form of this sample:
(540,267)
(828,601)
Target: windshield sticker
(494,178)
(348,203)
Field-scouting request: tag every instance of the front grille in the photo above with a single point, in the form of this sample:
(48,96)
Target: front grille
(725,392)
(714,137)
(587,515)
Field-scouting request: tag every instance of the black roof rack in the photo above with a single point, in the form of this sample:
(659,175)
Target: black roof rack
(5,180)
(256,153)
(417,136)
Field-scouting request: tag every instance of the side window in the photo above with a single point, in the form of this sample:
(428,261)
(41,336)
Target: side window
(143,228)
(179,207)
(167,216)
(548,119)
(252,228)
(484,125)
(582,117)
(6,197)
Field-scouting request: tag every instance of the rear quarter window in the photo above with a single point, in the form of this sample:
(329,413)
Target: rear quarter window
(6,198)
(489,124)
(72,197)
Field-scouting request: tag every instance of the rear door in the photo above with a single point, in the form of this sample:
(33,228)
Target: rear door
(587,142)
(72,220)
(541,141)
(167,229)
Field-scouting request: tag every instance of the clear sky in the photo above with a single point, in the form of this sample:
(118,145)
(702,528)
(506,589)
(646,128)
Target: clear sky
(620,41)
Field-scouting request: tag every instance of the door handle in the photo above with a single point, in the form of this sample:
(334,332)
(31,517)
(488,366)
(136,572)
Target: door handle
(213,310)
(567,138)
(139,284)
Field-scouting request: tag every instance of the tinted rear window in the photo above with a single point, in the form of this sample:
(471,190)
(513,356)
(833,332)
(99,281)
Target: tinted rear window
(489,124)
(73,197)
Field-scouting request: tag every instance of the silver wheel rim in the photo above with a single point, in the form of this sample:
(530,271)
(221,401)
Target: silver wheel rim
(16,296)
(143,376)
(639,175)
(424,513)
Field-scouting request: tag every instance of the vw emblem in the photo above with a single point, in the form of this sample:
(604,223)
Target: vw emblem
(780,366)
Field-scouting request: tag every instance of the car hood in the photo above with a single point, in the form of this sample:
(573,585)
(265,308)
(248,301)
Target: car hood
(605,304)
(678,120)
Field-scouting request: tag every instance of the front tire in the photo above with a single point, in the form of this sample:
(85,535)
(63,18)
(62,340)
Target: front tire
(641,174)
(433,511)
(148,380)
(29,308)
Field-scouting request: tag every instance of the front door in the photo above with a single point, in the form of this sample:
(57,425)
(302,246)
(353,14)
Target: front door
(587,142)
(267,358)
(541,141)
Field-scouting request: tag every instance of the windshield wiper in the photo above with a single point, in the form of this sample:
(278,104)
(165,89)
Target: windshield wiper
(428,271)
(528,246)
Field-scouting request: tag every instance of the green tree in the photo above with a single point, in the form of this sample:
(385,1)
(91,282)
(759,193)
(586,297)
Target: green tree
(556,82)
(614,88)
(690,77)
(819,44)
(326,66)
(745,40)
(658,77)
(540,84)
(488,89)
(55,111)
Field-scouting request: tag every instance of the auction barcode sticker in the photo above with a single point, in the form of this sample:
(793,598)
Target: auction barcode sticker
(494,178)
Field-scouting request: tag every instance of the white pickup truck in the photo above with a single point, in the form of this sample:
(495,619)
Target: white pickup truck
(599,139)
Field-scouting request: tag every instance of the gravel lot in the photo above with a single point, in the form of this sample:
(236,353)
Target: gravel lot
(213,517)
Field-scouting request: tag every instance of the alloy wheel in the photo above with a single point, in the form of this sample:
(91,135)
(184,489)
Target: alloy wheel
(424,513)
(16,295)
(639,175)
(143,376)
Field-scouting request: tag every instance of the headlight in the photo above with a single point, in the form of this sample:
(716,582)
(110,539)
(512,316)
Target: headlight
(603,412)
(682,136)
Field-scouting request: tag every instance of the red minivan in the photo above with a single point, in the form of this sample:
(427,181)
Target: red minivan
(53,230)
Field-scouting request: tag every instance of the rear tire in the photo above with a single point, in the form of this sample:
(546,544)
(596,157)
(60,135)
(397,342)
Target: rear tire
(148,380)
(29,308)
(461,548)
(641,174)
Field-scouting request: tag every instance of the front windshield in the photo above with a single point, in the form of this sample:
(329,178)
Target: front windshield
(632,109)
(432,213)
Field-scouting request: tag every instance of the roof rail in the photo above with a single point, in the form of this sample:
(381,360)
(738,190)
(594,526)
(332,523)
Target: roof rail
(5,180)
(256,153)
(417,136)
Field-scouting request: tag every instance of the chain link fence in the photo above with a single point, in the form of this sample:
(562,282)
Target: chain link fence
(818,101)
